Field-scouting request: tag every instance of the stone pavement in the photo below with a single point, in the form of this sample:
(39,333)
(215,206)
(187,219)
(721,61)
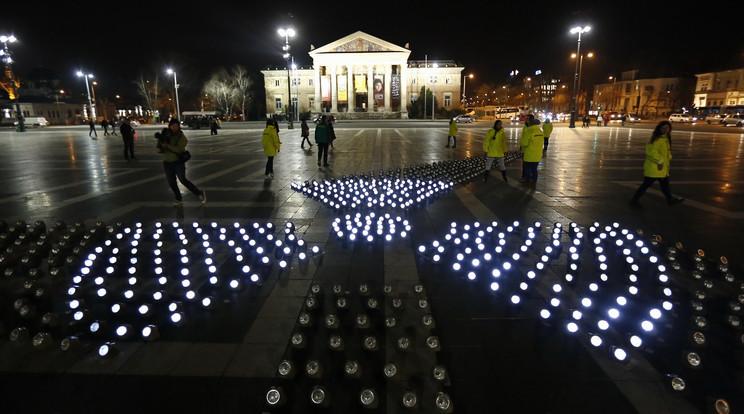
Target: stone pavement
(491,310)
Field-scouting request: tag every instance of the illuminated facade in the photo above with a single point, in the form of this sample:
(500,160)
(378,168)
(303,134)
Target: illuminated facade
(720,90)
(361,76)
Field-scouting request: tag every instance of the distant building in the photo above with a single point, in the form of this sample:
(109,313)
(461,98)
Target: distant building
(657,97)
(720,91)
(361,76)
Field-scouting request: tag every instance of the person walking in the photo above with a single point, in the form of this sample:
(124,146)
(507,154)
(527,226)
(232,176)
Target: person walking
(452,134)
(331,132)
(213,127)
(114,125)
(531,144)
(321,138)
(171,147)
(105,125)
(606,118)
(623,119)
(127,135)
(495,147)
(656,165)
(305,134)
(547,128)
(271,144)
(92,130)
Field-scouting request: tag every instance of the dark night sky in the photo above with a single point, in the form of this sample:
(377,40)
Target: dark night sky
(117,43)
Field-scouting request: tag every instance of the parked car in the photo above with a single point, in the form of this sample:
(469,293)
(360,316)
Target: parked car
(464,118)
(36,121)
(714,118)
(318,116)
(737,120)
(680,118)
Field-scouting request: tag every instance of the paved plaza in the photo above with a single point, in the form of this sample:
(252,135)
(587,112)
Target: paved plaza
(481,282)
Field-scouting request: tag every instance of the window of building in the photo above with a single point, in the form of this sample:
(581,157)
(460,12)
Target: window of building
(311,103)
(276,82)
(627,88)
(295,81)
(447,100)
(413,81)
(294,102)
(278,103)
(448,80)
(414,97)
(310,82)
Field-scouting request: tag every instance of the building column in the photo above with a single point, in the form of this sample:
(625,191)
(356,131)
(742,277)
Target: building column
(370,88)
(316,104)
(404,98)
(350,94)
(334,92)
(388,77)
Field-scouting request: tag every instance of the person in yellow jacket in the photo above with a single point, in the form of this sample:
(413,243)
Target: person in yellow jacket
(547,128)
(270,141)
(656,165)
(452,134)
(495,147)
(531,144)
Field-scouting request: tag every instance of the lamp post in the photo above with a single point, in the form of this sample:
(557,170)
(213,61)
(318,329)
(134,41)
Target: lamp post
(581,65)
(578,30)
(464,87)
(433,90)
(287,33)
(12,86)
(175,85)
(87,89)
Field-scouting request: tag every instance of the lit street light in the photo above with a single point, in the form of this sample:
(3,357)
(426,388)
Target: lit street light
(175,84)
(581,65)
(464,86)
(578,30)
(12,85)
(287,33)
(91,114)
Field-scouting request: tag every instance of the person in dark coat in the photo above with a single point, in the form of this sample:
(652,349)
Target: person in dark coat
(92,129)
(127,134)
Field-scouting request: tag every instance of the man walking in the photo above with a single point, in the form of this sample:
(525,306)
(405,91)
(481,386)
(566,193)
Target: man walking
(127,134)
(92,126)
(322,139)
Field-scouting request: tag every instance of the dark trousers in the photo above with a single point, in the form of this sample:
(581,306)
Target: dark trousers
(175,170)
(128,148)
(454,140)
(530,170)
(647,182)
(305,138)
(323,152)
(93,131)
(546,141)
(269,166)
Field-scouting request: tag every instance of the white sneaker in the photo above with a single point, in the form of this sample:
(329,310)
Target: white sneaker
(203,197)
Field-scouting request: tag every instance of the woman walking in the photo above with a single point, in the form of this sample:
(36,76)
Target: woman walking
(495,147)
(171,146)
(270,141)
(656,165)
(452,133)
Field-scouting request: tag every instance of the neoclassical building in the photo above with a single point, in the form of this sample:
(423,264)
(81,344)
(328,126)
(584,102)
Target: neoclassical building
(361,76)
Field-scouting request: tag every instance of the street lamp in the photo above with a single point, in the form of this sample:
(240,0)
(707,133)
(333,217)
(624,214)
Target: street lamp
(581,65)
(87,89)
(287,33)
(175,85)
(433,90)
(12,86)
(464,86)
(578,30)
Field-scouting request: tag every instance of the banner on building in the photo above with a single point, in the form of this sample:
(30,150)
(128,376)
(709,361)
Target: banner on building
(341,88)
(360,83)
(379,87)
(395,86)
(325,88)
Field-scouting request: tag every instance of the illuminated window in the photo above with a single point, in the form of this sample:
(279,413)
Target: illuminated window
(278,103)
(447,100)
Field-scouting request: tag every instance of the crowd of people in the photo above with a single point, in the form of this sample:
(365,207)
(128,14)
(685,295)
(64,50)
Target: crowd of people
(533,145)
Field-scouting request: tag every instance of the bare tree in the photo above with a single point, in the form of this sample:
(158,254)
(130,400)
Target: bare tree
(220,87)
(149,91)
(242,84)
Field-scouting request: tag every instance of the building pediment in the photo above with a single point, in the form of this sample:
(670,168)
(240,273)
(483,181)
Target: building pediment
(359,42)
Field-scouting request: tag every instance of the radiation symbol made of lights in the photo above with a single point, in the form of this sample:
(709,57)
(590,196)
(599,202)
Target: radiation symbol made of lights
(138,283)
(607,286)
